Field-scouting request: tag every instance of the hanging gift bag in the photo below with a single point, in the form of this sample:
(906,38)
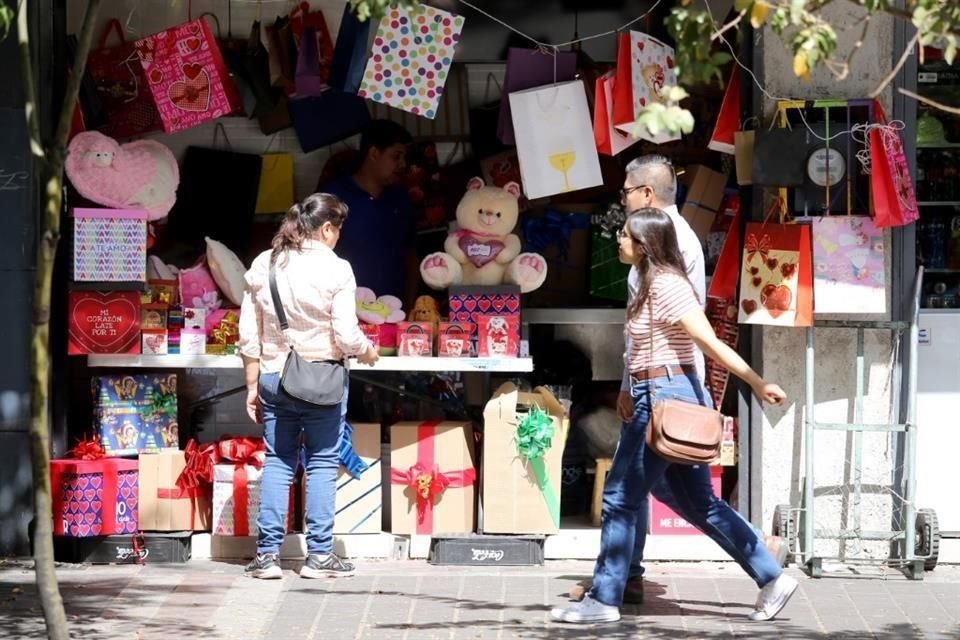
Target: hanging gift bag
(728,120)
(848,260)
(554,142)
(721,307)
(330,117)
(350,52)
(891,189)
(743,142)
(529,68)
(644,68)
(776,279)
(309,79)
(276,192)
(122,87)
(411,57)
(610,140)
(187,76)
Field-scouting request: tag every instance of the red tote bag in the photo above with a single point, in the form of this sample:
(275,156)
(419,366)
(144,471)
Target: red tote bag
(623,106)
(721,308)
(122,87)
(187,76)
(891,189)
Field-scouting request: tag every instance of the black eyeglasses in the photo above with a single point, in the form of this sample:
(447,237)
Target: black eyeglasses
(621,234)
(628,190)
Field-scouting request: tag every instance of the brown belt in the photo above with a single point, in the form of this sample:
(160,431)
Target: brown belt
(658,372)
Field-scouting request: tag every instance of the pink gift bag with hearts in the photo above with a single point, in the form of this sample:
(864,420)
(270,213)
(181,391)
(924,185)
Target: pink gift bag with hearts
(187,76)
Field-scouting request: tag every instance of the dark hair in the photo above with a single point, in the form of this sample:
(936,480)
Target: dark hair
(302,221)
(382,134)
(655,171)
(653,232)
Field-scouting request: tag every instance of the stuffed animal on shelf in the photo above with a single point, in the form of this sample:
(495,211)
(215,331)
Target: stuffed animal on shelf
(374,310)
(137,175)
(484,250)
(426,309)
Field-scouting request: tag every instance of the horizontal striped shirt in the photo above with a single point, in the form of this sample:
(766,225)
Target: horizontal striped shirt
(671,297)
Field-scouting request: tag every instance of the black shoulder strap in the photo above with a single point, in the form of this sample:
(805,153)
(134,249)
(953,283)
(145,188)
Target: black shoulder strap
(277,305)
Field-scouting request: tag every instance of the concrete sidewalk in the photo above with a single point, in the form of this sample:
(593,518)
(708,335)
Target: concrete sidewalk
(412,599)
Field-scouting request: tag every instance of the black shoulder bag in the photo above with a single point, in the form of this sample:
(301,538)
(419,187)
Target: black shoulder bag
(321,383)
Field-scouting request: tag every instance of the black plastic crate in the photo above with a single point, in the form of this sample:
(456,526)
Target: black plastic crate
(150,548)
(480,550)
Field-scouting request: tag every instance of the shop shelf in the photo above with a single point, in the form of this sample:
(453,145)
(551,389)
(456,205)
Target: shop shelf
(497,365)
(939,203)
(940,145)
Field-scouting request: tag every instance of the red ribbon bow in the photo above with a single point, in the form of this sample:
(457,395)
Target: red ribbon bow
(90,449)
(241,451)
(754,246)
(197,475)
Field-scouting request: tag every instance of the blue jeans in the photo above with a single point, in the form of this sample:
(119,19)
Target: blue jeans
(636,469)
(284,420)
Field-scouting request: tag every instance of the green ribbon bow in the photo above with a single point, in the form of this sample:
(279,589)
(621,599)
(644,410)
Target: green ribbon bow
(163,403)
(534,438)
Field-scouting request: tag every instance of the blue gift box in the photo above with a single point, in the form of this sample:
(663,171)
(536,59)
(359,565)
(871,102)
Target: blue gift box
(136,413)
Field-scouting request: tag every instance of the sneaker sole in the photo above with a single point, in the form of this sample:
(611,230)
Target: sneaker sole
(560,615)
(306,572)
(273,573)
(779,608)
(577,592)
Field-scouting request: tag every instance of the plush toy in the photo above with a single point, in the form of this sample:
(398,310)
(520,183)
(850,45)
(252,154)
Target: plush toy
(374,310)
(484,249)
(426,309)
(137,175)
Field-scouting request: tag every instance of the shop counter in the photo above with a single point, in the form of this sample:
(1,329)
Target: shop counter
(388,363)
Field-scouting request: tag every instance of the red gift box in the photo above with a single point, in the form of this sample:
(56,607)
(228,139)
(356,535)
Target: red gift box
(498,336)
(94,497)
(415,339)
(664,521)
(103,322)
(454,339)
(469,303)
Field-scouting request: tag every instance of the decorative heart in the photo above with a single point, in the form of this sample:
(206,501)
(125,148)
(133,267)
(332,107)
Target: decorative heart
(104,323)
(156,75)
(772,263)
(90,494)
(192,70)
(640,45)
(80,531)
(498,304)
(83,482)
(132,504)
(97,506)
(643,102)
(90,517)
(749,306)
(193,44)
(191,95)
(96,481)
(470,304)
(669,62)
(125,492)
(484,304)
(74,506)
(754,270)
(788,270)
(756,281)
(195,27)
(513,304)
(776,299)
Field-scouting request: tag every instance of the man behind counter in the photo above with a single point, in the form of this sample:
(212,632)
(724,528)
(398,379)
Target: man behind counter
(378,237)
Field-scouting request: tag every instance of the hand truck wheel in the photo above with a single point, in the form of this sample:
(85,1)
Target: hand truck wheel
(928,538)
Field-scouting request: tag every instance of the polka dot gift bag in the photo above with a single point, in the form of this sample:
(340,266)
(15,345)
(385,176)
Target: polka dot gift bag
(410,59)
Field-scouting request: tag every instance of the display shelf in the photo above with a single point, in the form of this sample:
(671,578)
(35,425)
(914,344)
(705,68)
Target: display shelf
(941,271)
(495,365)
(940,145)
(939,203)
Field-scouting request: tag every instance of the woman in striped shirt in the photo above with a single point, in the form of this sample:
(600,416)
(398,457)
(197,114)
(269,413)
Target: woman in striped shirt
(665,323)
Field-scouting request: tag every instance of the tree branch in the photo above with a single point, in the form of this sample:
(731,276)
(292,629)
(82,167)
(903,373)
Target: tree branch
(896,68)
(932,103)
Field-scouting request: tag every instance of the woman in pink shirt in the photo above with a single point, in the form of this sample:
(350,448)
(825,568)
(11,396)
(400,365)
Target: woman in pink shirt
(665,322)
(318,293)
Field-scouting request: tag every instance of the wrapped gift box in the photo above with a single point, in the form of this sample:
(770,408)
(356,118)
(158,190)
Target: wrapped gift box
(360,497)
(454,339)
(109,245)
(415,339)
(432,478)
(163,505)
(664,521)
(498,336)
(94,497)
(236,500)
(469,303)
(521,482)
(136,413)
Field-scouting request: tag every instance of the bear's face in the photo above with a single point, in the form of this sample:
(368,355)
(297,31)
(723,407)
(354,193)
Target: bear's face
(488,211)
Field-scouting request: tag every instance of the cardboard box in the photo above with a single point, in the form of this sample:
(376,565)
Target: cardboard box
(360,499)
(417,452)
(513,500)
(704,196)
(664,521)
(110,245)
(163,505)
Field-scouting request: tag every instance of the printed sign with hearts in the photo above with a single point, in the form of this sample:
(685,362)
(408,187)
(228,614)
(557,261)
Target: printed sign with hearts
(776,278)
(188,78)
(103,323)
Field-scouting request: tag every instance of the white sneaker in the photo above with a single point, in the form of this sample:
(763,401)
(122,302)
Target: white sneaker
(586,611)
(774,597)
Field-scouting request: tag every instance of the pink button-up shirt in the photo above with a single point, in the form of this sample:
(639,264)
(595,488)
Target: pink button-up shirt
(318,292)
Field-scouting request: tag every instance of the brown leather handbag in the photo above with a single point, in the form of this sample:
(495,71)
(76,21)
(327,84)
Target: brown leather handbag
(685,433)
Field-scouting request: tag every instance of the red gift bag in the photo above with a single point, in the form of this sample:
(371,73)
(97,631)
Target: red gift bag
(894,201)
(776,279)
(122,87)
(721,308)
(728,120)
(187,76)
(610,140)
(645,67)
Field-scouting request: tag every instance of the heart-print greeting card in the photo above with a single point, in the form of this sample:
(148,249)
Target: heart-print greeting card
(776,282)
(103,322)
(187,76)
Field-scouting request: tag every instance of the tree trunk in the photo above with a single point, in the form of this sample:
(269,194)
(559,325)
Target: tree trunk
(48,164)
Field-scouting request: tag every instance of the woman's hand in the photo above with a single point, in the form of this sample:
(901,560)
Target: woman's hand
(254,409)
(624,406)
(769,392)
(370,356)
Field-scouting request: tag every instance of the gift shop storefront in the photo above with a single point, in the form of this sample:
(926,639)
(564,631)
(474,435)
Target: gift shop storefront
(203,122)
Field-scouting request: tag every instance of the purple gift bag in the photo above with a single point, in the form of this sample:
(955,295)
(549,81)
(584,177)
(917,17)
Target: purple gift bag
(526,69)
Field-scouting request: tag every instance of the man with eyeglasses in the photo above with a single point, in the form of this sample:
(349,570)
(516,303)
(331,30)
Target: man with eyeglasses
(651,181)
